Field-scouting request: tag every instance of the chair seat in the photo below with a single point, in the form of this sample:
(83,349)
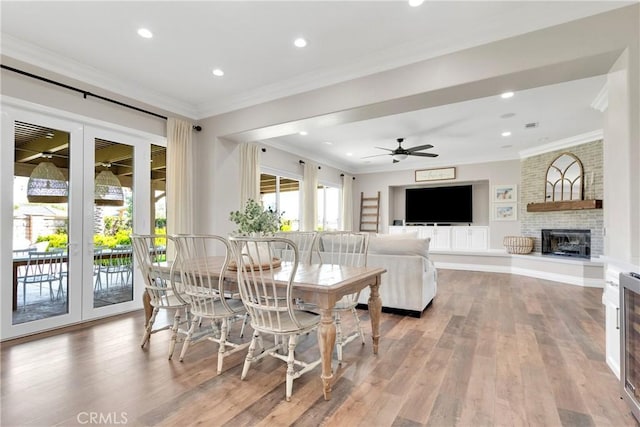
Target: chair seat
(168,300)
(308,321)
(218,309)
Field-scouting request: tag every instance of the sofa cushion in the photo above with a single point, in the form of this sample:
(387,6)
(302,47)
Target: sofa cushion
(399,246)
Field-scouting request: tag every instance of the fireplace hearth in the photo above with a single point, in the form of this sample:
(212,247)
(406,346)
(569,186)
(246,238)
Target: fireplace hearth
(566,242)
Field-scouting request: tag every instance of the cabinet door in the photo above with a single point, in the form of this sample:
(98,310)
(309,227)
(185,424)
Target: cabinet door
(426,232)
(478,238)
(460,237)
(397,229)
(441,238)
(612,329)
(469,238)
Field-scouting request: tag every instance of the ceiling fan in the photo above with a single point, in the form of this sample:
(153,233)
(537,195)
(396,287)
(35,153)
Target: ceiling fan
(401,153)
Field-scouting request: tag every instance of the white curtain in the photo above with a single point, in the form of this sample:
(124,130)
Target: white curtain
(249,173)
(179,176)
(310,197)
(346,214)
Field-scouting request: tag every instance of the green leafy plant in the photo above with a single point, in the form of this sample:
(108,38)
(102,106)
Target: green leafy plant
(57,240)
(255,219)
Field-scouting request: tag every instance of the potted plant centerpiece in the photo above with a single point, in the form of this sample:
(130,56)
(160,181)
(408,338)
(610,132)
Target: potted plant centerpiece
(256,221)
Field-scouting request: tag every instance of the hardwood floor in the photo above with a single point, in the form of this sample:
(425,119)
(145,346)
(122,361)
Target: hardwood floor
(492,350)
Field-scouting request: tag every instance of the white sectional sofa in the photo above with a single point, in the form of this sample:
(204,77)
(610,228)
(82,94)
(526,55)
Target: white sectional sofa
(411,280)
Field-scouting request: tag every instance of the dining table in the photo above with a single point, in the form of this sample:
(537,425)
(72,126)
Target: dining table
(320,284)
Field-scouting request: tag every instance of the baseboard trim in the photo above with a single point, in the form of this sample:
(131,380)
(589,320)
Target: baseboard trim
(579,272)
(400,311)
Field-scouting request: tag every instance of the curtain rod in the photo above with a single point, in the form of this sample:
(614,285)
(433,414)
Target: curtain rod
(302,163)
(86,93)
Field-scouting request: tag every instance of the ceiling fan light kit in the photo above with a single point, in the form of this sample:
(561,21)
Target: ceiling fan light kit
(402,153)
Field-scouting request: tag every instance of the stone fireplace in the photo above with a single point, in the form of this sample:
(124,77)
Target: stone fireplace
(532,190)
(566,242)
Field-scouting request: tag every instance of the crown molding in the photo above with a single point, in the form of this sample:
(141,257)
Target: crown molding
(563,143)
(601,101)
(47,60)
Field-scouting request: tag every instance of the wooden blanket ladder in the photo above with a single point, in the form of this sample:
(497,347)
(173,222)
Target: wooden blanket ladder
(369,213)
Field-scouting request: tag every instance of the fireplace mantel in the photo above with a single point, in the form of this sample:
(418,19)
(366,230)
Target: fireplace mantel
(567,205)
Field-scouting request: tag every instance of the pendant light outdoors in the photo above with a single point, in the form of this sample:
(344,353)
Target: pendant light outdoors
(108,190)
(47,185)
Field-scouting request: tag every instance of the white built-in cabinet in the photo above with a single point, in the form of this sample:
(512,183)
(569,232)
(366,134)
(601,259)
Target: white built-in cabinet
(449,237)
(469,238)
(611,301)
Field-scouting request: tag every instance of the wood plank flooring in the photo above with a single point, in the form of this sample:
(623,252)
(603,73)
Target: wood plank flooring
(492,350)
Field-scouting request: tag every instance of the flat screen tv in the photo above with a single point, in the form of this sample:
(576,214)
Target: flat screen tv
(442,205)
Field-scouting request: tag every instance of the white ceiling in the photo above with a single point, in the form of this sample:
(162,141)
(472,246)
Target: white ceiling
(96,42)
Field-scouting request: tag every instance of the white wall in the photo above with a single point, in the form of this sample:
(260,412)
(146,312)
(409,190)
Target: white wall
(622,161)
(392,184)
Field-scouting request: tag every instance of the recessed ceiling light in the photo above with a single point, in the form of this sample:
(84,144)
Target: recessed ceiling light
(300,42)
(304,132)
(506,95)
(506,133)
(415,3)
(218,72)
(349,154)
(143,32)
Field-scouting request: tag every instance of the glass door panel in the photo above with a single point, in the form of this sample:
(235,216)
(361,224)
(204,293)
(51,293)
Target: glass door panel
(159,188)
(40,222)
(112,223)
(40,227)
(118,199)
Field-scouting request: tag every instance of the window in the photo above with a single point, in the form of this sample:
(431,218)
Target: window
(283,195)
(328,208)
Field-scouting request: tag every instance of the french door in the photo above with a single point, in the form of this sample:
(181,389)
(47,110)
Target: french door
(78,189)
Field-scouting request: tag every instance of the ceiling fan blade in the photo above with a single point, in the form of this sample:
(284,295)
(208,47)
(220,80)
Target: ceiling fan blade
(382,148)
(419,147)
(423,154)
(376,155)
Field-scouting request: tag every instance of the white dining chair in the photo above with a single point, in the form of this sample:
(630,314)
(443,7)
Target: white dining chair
(266,288)
(304,240)
(202,262)
(344,248)
(159,284)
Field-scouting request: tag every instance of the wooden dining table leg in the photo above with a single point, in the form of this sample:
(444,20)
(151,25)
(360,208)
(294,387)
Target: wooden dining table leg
(326,342)
(148,309)
(375,312)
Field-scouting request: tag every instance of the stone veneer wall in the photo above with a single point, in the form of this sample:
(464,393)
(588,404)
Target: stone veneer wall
(532,187)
